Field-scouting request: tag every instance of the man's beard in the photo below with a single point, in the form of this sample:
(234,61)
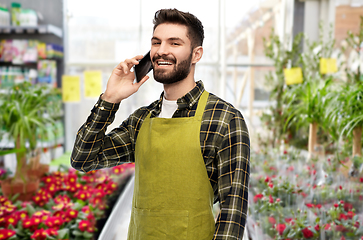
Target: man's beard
(179,72)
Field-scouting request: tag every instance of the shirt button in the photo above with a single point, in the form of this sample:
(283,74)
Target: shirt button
(190,105)
(102,108)
(96,105)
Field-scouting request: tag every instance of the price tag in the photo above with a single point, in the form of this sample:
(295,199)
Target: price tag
(71,90)
(293,75)
(328,65)
(92,83)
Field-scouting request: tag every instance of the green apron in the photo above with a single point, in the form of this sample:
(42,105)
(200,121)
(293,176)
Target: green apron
(173,198)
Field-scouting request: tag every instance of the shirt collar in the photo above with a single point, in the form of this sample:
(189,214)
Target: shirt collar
(192,97)
(187,101)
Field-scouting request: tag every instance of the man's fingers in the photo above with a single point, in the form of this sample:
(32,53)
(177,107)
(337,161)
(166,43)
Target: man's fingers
(126,65)
(143,80)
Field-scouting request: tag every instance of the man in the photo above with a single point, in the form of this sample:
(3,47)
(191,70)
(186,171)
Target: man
(190,148)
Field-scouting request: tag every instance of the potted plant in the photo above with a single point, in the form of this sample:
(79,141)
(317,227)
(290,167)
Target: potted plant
(23,114)
(282,56)
(306,102)
(347,104)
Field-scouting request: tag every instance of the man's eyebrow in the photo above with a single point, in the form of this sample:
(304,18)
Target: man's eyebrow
(169,39)
(176,39)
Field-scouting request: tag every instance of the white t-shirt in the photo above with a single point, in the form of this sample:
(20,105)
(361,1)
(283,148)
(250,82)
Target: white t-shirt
(168,108)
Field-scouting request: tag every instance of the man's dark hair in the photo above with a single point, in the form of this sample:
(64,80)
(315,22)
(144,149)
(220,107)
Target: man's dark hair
(194,25)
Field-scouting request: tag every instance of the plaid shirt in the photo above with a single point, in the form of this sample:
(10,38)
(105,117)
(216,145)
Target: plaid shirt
(224,142)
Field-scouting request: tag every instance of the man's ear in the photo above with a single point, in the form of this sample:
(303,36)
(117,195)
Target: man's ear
(197,54)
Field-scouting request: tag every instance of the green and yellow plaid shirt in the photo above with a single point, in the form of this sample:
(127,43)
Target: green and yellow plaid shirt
(224,142)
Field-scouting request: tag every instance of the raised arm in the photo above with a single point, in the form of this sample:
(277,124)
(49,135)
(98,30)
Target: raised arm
(92,148)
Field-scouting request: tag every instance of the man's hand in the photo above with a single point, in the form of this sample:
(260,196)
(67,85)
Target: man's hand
(121,84)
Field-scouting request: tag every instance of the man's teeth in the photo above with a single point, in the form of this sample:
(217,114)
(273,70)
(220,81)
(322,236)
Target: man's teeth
(164,63)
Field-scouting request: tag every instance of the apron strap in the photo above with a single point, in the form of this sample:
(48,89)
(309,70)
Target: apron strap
(201,104)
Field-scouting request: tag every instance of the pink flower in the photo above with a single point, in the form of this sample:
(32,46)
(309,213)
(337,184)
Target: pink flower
(327,226)
(272,220)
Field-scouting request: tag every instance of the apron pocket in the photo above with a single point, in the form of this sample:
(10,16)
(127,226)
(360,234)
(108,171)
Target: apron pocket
(160,224)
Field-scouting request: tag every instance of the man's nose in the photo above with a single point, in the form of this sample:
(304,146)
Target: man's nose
(163,49)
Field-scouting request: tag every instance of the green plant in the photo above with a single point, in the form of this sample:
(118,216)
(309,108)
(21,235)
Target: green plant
(282,57)
(23,112)
(347,102)
(306,102)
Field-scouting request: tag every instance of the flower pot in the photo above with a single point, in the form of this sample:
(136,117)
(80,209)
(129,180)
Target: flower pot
(38,172)
(26,190)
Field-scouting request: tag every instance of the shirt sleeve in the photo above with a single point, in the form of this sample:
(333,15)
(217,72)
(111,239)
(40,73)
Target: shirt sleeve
(233,167)
(93,149)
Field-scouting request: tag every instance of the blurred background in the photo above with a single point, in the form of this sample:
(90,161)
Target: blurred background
(72,46)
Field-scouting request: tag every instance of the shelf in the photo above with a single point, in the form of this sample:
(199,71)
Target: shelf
(41,29)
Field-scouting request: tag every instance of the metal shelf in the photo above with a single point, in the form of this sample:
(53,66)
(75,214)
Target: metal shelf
(41,29)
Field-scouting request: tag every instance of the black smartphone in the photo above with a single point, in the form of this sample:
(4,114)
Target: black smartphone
(143,68)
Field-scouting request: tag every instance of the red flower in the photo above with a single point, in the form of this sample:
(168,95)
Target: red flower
(318,206)
(82,195)
(348,206)
(257,197)
(12,220)
(356,224)
(271,185)
(51,232)
(361,179)
(39,234)
(267,179)
(271,200)
(307,233)
(280,228)
(54,222)
(342,216)
(336,205)
(309,205)
(350,214)
(71,213)
(31,223)
(317,227)
(340,228)
(85,225)
(6,233)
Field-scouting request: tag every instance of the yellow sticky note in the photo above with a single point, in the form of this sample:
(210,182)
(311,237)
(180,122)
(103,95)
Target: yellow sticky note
(71,89)
(293,75)
(328,65)
(92,83)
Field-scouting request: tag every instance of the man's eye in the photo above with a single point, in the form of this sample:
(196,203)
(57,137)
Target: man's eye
(176,44)
(155,43)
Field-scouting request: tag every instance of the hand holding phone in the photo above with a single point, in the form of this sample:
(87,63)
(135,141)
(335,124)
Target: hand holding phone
(143,68)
